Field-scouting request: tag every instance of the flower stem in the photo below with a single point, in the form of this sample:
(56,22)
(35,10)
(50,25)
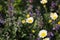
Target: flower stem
(45,8)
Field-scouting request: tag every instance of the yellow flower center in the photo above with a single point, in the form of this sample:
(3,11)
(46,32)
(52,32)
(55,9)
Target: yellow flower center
(23,21)
(30,21)
(43,34)
(54,17)
(33,31)
(50,21)
(27,15)
(59,22)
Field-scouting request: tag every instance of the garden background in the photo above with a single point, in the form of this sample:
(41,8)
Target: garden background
(15,26)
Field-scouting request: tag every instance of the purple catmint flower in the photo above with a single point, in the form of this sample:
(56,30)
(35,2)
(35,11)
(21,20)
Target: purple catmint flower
(53,22)
(50,34)
(2,21)
(53,4)
(11,8)
(59,0)
(30,35)
(38,39)
(11,1)
(30,7)
(37,12)
(18,22)
(53,28)
(31,13)
(30,1)
(57,27)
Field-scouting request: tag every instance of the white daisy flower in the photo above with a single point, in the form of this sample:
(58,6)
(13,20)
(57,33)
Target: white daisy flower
(42,33)
(43,1)
(46,39)
(30,20)
(54,16)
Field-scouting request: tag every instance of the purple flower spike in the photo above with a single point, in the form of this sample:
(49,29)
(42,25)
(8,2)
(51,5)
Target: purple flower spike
(30,1)
(38,39)
(53,4)
(37,12)
(30,35)
(2,21)
(59,0)
(10,7)
(18,22)
(31,14)
(50,34)
(11,1)
(53,28)
(57,27)
(53,22)
(31,6)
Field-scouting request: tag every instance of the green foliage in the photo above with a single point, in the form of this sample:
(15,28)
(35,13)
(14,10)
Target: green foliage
(14,12)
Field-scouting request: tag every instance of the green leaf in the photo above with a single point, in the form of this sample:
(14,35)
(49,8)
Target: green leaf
(18,1)
(35,24)
(0,7)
